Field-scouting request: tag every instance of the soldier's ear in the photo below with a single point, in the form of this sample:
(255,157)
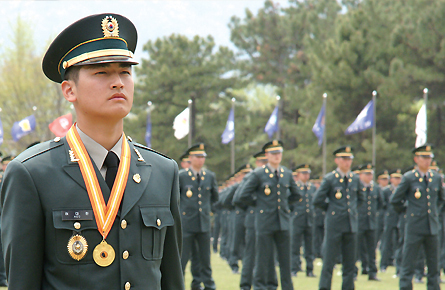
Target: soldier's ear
(69,90)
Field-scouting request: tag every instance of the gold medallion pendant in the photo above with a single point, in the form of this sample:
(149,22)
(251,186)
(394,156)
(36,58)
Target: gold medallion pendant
(77,247)
(338,195)
(189,193)
(417,194)
(103,254)
(267,190)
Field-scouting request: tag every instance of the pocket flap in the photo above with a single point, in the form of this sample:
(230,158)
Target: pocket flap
(157,217)
(59,223)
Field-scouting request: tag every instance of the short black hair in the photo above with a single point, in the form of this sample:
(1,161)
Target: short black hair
(72,73)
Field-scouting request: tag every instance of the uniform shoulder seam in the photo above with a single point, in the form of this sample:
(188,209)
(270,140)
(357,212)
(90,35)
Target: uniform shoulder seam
(149,149)
(41,152)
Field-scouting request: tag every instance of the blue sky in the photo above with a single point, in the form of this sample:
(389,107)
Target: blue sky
(153,18)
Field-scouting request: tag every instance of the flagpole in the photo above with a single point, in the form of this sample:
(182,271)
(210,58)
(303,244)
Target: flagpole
(190,123)
(325,96)
(425,98)
(232,144)
(278,117)
(374,105)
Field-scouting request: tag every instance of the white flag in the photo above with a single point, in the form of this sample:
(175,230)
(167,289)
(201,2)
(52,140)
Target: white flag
(421,127)
(181,124)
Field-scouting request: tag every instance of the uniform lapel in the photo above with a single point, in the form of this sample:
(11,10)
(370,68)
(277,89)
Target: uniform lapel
(134,190)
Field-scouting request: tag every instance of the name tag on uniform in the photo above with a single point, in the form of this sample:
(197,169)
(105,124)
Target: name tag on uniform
(77,215)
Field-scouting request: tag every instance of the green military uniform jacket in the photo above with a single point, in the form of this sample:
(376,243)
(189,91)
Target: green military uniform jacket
(391,216)
(43,183)
(340,201)
(423,201)
(303,210)
(196,208)
(271,196)
(367,211)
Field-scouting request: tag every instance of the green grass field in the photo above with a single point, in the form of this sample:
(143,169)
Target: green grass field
(225,280)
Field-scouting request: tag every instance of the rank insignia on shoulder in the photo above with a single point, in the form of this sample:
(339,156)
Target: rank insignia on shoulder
(140,158)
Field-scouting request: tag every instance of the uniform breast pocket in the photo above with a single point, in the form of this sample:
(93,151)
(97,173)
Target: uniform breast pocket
(65,229)
(155,223)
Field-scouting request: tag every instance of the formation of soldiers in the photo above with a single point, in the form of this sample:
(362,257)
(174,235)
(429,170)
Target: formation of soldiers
(268,215)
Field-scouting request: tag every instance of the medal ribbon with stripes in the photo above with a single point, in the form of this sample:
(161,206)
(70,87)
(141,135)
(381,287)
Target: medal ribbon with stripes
(104,214)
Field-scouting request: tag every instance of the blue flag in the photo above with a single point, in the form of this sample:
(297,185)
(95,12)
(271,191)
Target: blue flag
(364,120)
(272,124)
(148,131)
(23,127)
(229,131)
(319,125)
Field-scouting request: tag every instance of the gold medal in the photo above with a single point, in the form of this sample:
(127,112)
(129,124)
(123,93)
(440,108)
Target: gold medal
(417,194)
(77,247)
(103,254)
(189,193)
(267,190)
(338,195)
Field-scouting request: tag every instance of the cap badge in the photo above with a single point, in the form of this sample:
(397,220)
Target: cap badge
(369,166)
(348,149)
(201,146)
(428,148)
(110,27)
(274,142)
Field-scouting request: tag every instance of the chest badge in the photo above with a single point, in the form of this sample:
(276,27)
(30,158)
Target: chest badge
(338,194)
(189,193)
(267,190)
(417,194)
(77,247)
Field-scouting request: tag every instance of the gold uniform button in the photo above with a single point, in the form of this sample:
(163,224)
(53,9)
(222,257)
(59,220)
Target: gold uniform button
(237,212)
(279,207)
(261,211)
(349,210)
(412,214)
(279,200)
(183,213)
(57,139)
(307,205)
(369,208)
(77,225)
(307,200)
(199,195)
(333,213)
(137,178)
(199,202)
(200,209)
(127,286)
(427,190)
(296,213)
(428,197)
(349,203)
(347,196)
(199,188)
(369,202)
(429,211)
(278,186)
(369,213)
(123,224)
(125,255)
(251,211)
(429,203)
(158,222)
(307,210)
(307,195)
(347,189)
(369,197)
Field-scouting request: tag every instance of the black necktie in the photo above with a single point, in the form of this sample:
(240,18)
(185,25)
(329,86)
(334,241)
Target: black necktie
(197,177)
(276,174)
(346,181)
(112,164)
(426,179)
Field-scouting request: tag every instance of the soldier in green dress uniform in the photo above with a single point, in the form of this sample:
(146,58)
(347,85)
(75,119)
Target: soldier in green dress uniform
(423,190)
(367,220)
(274,189)
(92,210)
(319,217)
(390,234)
(195,267)
(383,181)
(198,191)
(339,195)
(302,221)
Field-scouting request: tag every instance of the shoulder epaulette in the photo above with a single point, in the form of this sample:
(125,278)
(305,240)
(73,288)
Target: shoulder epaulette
(149,149)
(52,144)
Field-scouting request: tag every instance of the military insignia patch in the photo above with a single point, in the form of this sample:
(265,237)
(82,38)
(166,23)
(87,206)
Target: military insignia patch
(110,27)
(77,247)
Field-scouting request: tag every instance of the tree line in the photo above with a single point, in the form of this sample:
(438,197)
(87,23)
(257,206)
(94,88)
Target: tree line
(346,49)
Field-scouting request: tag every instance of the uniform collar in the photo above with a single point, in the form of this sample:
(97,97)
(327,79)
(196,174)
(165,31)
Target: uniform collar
(342,174)
(97,151)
